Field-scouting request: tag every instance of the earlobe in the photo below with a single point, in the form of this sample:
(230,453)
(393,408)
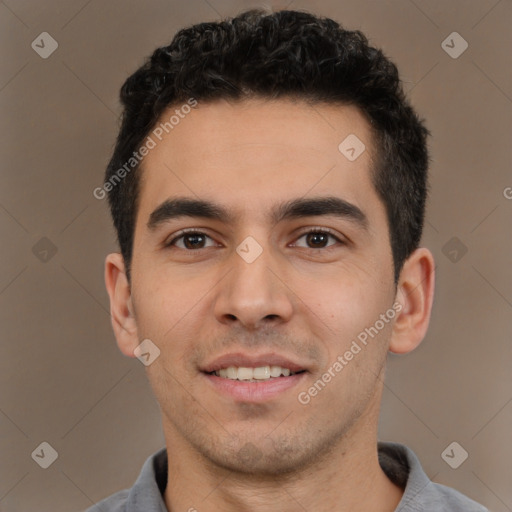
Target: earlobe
(121,307)
(415,294)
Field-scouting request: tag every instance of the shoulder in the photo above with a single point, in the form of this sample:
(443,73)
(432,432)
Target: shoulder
(441,498)
(147,492)
(420,494)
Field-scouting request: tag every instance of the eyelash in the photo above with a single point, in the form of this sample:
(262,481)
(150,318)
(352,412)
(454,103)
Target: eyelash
(192,231)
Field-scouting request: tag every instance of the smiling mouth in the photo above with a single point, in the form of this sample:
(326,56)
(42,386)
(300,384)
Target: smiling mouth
(247,374)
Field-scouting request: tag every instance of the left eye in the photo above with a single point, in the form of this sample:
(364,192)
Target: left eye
(317,239)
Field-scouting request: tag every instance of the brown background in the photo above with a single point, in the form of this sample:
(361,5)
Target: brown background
(62,377)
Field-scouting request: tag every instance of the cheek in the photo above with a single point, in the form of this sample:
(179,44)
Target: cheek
(166,305)
(342,309)
(337,298)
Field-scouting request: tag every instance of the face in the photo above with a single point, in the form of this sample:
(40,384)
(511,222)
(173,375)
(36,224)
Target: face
(260,250)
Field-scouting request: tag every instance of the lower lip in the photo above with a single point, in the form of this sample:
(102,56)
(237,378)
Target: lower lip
(254,391)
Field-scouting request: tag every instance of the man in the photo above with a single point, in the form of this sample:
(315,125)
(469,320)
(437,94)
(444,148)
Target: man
(268,189)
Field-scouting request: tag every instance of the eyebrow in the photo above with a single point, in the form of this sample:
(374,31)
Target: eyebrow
(297,208)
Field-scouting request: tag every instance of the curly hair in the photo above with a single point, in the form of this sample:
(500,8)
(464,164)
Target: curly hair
(285,54)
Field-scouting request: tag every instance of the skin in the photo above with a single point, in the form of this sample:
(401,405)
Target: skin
(302,298)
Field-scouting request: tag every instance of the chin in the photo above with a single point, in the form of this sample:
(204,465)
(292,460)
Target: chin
(266,458)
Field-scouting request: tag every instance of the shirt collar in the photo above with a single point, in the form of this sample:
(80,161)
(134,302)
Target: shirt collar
(147,492)
(398,462)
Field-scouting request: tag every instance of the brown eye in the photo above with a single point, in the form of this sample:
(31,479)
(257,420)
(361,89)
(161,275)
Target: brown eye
(318,239)
(190,240)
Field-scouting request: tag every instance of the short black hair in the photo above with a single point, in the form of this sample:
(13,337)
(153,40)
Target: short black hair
(273,55)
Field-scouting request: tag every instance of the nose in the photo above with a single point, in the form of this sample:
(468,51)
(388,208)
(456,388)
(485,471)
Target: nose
(254,295)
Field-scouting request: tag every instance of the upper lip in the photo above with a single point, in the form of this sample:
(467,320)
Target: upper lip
(240,359)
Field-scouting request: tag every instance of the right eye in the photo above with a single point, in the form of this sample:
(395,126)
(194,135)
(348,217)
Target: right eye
(192,240)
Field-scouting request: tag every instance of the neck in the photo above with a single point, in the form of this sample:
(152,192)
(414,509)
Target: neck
(346,478)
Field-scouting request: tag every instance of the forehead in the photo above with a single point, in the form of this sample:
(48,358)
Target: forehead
(255,154)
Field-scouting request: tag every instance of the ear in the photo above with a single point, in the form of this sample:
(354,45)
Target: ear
(121,307)
(415,293)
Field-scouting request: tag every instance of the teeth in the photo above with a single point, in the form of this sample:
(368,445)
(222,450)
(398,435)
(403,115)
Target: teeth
(262,373)
(275,371)
(232,373)
(245,373)
(253,374)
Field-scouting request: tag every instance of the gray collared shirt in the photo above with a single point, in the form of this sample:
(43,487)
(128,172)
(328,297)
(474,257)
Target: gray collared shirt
(398,462)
